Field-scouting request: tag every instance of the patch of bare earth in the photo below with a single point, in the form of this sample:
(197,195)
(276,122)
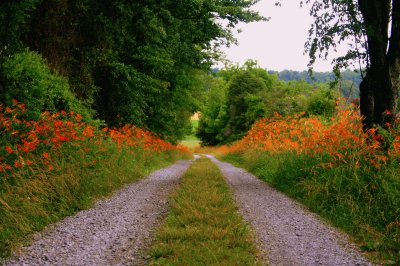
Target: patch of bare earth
(288,234)
(115,232)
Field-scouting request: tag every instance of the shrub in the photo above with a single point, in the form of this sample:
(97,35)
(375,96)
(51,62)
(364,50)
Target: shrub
(322,103)
(27,78)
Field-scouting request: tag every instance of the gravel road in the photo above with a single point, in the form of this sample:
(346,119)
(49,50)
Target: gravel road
(114,232)
(288,234)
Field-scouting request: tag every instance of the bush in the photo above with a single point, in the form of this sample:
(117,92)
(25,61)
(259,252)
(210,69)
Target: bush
(27,78)
(121,96)
(322,103)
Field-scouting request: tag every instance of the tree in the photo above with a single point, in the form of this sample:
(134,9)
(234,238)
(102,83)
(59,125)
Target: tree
(237,96)
(366,25)
(233,102)
(135,59)
(244,102)
(214,114)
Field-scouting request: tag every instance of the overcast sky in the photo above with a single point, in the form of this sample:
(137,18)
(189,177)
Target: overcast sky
(277,44)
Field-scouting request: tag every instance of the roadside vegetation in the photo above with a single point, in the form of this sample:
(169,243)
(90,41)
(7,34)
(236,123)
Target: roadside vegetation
(346,175)
(57,165)
(203,226)
(135,62)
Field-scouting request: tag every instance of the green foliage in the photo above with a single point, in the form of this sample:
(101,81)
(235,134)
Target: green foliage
(27,78)
(191,141)
(256,109)
(214,114)
(14,21)
(243,90)
(143,55)
(234,100)
(371,31)
(121,97)
(322,103)
(236,97)
(348,83)
(129,96)
(203,226)
(336,22)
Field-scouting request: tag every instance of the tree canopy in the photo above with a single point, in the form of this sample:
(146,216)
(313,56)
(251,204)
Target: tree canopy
(236,97)
(130,61)
(372,28)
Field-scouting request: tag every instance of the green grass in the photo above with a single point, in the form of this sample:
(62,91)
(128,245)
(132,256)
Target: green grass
(36,197)
(195,125)
(363,202)
(191,141)
(203,226)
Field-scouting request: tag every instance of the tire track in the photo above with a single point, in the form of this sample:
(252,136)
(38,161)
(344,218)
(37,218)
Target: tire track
(114,232)
(288,234)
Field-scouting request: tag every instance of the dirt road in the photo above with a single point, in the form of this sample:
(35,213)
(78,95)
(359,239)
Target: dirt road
(288,234)
(118,230)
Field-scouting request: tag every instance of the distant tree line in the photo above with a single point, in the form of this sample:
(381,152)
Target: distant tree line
(348,83)
(118,61)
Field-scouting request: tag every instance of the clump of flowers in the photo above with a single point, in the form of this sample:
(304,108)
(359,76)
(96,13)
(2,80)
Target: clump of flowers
(342,138)
(26,142)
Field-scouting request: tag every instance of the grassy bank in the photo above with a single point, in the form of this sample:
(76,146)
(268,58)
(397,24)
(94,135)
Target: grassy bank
(58,165)
(336,170)
(203,226)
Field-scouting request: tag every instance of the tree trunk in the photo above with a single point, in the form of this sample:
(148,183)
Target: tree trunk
(367,102)
(378,91)
(383,96)
(393,56)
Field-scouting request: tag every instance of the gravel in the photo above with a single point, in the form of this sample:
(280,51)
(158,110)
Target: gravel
(287,233)
(115,232)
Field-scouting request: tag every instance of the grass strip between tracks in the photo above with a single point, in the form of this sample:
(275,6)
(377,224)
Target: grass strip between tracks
(203,226)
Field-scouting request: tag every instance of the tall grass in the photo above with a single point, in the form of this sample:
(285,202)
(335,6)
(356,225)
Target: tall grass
(347,176)
(58,165)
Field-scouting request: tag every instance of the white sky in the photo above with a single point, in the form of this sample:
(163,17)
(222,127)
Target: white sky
(277,44)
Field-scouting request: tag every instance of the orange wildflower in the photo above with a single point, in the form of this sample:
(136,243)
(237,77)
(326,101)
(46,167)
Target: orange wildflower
(18,164)
(78,118)
(46,156)
(9,150)
(387,112)
(88,131)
